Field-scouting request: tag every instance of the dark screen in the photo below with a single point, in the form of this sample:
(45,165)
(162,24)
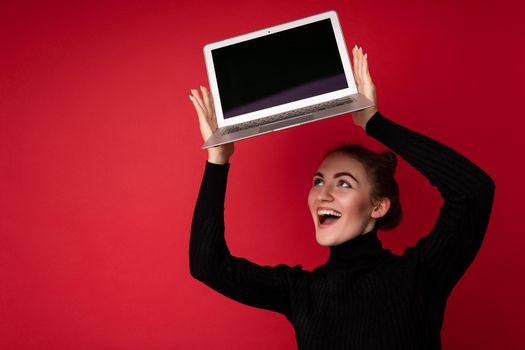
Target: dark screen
(278,68)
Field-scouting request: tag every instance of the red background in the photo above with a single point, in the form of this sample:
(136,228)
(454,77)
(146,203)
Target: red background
(100,166)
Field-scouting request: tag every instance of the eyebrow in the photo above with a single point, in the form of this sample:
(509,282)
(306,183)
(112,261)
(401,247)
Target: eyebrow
(342,173)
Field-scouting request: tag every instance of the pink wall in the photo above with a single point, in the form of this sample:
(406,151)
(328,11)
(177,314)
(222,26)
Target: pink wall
(100,166)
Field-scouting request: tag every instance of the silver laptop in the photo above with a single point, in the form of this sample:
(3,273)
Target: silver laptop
(279,77)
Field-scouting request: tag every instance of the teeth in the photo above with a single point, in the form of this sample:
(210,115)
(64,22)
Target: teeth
(328,212)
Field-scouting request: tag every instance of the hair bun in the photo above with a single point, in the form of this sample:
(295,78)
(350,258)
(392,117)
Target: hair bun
(391,159)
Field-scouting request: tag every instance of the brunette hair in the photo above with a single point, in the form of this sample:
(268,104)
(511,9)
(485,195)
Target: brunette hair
(380,168)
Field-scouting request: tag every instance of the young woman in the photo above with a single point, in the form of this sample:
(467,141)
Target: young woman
(363,297)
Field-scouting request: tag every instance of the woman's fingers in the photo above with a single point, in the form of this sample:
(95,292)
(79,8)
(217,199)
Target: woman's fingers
(198,108)
(196,105)
(204,123)
(366,70)
(206,98)
(356,72)
(208,124)
(208,102)
(198,99)
(360,67)
(203,107)
(357,63)
(362,73)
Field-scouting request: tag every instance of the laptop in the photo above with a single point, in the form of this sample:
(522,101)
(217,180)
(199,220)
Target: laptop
(279,77)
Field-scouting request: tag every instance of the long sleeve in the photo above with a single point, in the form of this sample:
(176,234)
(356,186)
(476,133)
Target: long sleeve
(467,191)
(264,287)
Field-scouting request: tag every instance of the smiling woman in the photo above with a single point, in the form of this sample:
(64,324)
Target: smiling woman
(353,192)
(363,297)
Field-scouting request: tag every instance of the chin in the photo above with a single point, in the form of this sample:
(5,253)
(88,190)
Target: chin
(322,244)
(325,241)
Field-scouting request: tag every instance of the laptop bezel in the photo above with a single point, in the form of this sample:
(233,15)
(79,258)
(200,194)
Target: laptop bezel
(343,53)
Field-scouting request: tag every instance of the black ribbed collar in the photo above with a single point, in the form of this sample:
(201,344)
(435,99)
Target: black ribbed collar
(360,253)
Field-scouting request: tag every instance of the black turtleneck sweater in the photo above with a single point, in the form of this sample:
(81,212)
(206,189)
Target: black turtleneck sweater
(363,297)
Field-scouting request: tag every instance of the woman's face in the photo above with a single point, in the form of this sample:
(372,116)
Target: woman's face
(339,200)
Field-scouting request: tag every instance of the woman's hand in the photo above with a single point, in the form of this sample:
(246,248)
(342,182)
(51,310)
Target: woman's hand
(365,86)
(208,123)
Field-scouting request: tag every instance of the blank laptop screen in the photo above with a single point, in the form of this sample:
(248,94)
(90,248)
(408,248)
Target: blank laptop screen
(278,68)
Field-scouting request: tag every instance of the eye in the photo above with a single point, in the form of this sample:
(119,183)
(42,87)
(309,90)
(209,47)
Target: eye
(344,184)
(317,182)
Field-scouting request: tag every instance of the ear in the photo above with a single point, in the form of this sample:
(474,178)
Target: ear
(380,208)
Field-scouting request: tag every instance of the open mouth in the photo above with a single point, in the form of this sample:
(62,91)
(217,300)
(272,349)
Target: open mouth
(328,216)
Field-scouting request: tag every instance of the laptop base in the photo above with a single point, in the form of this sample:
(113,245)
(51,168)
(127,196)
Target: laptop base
(356,103)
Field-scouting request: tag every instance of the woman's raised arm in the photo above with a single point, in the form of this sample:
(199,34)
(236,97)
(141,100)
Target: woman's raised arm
(468,192)
(211,262)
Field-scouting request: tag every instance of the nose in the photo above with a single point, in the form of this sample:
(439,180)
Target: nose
(325,194)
